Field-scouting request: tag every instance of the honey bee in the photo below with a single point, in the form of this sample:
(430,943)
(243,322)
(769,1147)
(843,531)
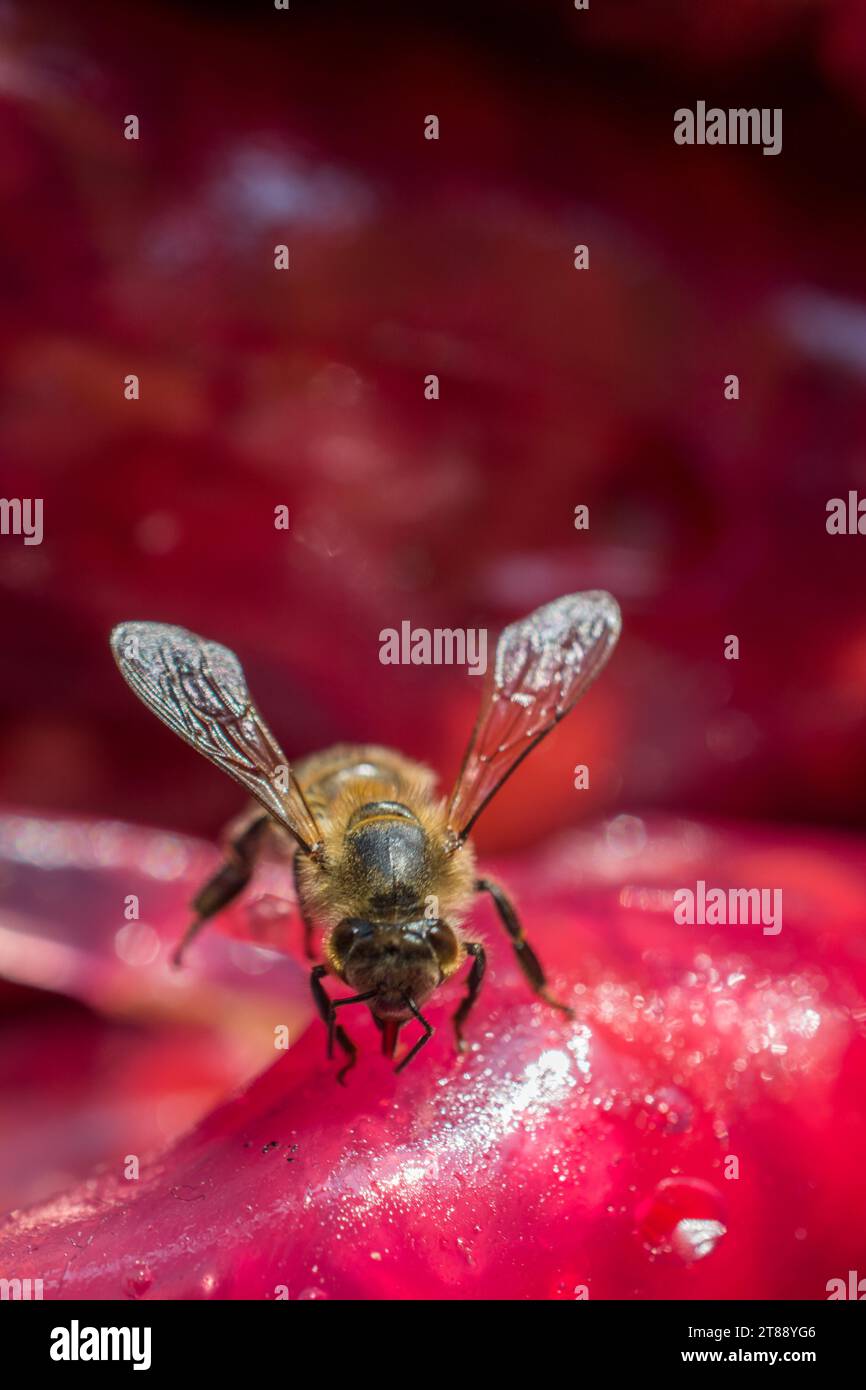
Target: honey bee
(383,868)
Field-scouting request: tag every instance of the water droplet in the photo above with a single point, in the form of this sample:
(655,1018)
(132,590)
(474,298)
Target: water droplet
(136,944)
(695,1237)
(675,1109)
(683,1217)
(137,1281)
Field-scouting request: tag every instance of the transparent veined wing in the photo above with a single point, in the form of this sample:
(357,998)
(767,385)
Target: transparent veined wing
(198,689)
(543,664)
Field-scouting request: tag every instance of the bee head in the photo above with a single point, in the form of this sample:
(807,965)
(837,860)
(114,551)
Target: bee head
(400,961)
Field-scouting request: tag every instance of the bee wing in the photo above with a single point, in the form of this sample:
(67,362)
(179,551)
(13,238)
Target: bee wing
(543,665)
(198,689)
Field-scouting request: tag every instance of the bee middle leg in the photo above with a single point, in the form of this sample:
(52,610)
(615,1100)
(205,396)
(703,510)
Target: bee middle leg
(227,882)
(473,985)
(526,957)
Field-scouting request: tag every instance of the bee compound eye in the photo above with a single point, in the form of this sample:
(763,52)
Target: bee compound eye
(347,932)
(443,941)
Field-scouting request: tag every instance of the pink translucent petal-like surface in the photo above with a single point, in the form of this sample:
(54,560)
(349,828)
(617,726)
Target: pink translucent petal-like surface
(555,1157)
(136,1051)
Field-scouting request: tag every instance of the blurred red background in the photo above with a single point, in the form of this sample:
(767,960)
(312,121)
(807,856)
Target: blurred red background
(558,387)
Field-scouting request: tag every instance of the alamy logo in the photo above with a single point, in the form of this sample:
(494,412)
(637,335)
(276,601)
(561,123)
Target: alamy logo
(736,126)
(23,1289)
(716,907)
(441,647)
(846,518)
(22,516)
(854,1290)
(75,1343)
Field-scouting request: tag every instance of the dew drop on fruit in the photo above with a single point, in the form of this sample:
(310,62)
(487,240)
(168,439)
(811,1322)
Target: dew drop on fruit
(137,1281)
(684,1217)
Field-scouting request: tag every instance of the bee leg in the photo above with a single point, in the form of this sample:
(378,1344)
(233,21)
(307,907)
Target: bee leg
(526,957)
(226,883)
(328,1012)
(309,924)
(336,1004)
(473,985)
(425,1037)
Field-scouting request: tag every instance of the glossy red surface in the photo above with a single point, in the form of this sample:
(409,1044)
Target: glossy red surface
(555,1160)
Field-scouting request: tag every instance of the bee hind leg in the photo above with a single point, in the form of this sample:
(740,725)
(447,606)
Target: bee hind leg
(226,883)
(526,957)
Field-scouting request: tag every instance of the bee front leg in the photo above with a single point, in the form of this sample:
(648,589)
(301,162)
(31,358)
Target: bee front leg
(328,1015)
(473,985)
(227,882)
(425,1037)
(526,957)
